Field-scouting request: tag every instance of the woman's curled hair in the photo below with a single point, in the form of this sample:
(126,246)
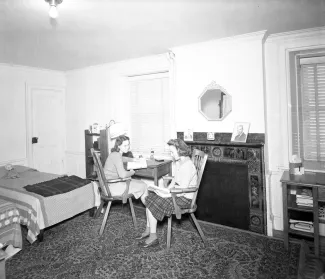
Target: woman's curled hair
(182,148)
(118,142)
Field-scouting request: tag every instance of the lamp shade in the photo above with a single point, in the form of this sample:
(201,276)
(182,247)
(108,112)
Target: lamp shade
(117,129)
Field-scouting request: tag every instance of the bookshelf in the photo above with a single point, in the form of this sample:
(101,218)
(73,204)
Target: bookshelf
(98,141)
(295,206)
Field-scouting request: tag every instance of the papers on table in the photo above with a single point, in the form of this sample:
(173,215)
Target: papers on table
(137,164)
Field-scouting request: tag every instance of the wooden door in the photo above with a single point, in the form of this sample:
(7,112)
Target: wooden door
(47,129)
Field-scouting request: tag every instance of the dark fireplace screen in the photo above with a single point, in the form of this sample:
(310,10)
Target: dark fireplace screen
(232,191)
(224,197)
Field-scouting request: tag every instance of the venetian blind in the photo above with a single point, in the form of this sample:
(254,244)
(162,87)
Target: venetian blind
(309,110)
(150,114)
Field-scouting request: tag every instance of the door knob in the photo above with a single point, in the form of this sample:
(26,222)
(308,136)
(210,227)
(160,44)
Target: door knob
(34,140)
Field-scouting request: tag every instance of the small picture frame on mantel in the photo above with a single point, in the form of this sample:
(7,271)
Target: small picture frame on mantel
(240,132)
(188,135)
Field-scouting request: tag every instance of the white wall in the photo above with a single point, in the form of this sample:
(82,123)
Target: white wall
(100,94)
(13,80)
(277,49)
(234,63)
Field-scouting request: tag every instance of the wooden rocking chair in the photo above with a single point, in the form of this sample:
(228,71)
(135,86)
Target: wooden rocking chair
(199,159)
(105,193)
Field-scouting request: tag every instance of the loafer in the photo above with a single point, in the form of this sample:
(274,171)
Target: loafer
(150,244)
(142,237)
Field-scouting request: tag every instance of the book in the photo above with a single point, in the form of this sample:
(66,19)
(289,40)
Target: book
(160,191)
(300,221)
(137,164)
(304,192)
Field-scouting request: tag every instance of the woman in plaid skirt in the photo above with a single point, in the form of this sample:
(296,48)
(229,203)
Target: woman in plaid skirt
(157,207)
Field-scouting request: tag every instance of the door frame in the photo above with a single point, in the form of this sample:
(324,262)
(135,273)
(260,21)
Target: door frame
(29,124)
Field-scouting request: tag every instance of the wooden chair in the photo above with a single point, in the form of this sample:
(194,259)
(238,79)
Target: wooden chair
(105,194)
(199,159)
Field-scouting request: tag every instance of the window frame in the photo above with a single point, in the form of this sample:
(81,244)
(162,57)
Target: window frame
(294,59)
(171,100)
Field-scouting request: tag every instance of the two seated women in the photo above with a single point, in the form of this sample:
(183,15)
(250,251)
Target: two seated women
(157,207)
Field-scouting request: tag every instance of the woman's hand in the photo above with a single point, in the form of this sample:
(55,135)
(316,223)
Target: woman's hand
(132,172)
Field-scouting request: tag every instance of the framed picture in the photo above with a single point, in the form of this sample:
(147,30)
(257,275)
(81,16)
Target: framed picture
(188,135)
(240,132)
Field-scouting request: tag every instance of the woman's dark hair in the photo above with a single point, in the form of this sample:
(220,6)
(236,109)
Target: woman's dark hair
(118,142)
(181,147)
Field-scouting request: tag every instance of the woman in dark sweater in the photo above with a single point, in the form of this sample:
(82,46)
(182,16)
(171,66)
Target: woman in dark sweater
(114,168)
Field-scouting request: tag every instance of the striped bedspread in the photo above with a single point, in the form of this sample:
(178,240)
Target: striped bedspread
(39,212)
(10,231)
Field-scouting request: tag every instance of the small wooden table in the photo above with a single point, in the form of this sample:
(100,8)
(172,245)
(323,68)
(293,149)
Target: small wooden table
(155,170)
(310,180)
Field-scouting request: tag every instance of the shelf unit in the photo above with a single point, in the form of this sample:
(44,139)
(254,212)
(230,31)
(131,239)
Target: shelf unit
(316,183)
(98,141)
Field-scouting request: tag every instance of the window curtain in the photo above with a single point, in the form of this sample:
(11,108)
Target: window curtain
(308,113)
(150,114)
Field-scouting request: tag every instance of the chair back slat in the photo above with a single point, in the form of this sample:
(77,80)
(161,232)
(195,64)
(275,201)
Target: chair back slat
(199,158)
(100,173)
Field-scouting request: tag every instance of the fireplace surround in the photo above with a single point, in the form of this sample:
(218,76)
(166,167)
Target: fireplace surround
(232,190)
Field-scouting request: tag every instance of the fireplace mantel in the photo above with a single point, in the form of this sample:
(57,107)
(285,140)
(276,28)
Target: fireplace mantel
(250,154)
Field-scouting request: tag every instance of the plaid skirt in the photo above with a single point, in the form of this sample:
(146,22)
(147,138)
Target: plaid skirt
(161,207)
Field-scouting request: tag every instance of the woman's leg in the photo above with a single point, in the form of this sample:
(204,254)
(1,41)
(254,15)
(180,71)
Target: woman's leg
(147,230)
(143,197)
(152,225)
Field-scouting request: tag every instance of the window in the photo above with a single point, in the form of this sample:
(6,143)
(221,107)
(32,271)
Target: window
(150,113)
(308,111)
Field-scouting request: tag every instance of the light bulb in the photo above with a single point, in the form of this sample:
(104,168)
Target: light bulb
(53,12)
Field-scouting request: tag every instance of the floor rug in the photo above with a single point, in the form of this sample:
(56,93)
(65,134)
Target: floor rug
(73,249)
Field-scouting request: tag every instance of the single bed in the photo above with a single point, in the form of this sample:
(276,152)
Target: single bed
(38,212)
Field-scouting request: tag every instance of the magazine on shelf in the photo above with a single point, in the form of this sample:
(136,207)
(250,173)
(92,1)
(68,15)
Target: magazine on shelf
(304,193)
(160,191)
(300,221)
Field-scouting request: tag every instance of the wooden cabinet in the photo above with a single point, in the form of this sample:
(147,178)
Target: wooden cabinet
(314,183)
(100,143)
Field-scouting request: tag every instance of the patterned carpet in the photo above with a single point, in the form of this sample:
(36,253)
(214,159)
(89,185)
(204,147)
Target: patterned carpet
(73,249)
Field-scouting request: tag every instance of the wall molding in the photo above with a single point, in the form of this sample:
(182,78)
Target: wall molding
(31,69)
(259,35)
(20,161)
(297,34)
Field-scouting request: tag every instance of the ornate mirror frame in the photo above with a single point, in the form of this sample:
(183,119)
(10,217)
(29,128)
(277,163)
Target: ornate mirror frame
(215,103)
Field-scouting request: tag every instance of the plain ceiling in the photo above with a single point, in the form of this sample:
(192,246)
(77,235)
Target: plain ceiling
(92,32)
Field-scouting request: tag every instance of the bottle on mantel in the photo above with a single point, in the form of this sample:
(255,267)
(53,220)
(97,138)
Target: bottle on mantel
(152,154)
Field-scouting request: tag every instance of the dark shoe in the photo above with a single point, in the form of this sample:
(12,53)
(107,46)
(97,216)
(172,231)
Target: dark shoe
(142,237)
(150,244)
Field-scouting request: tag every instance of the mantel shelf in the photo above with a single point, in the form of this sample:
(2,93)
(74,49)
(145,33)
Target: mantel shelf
(236,144)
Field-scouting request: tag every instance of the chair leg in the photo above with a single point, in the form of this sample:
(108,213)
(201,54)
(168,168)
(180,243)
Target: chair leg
(105,218)
(199,229)
(99,209)
(133,214)
(169,231)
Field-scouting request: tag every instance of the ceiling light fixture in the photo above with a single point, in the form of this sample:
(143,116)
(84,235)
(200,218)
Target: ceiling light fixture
(53,12)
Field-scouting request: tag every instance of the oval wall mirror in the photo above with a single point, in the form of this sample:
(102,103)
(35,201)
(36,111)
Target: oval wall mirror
(215,102)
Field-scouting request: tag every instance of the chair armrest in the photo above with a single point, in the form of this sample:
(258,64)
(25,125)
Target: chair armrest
(118,180)
(183,190)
